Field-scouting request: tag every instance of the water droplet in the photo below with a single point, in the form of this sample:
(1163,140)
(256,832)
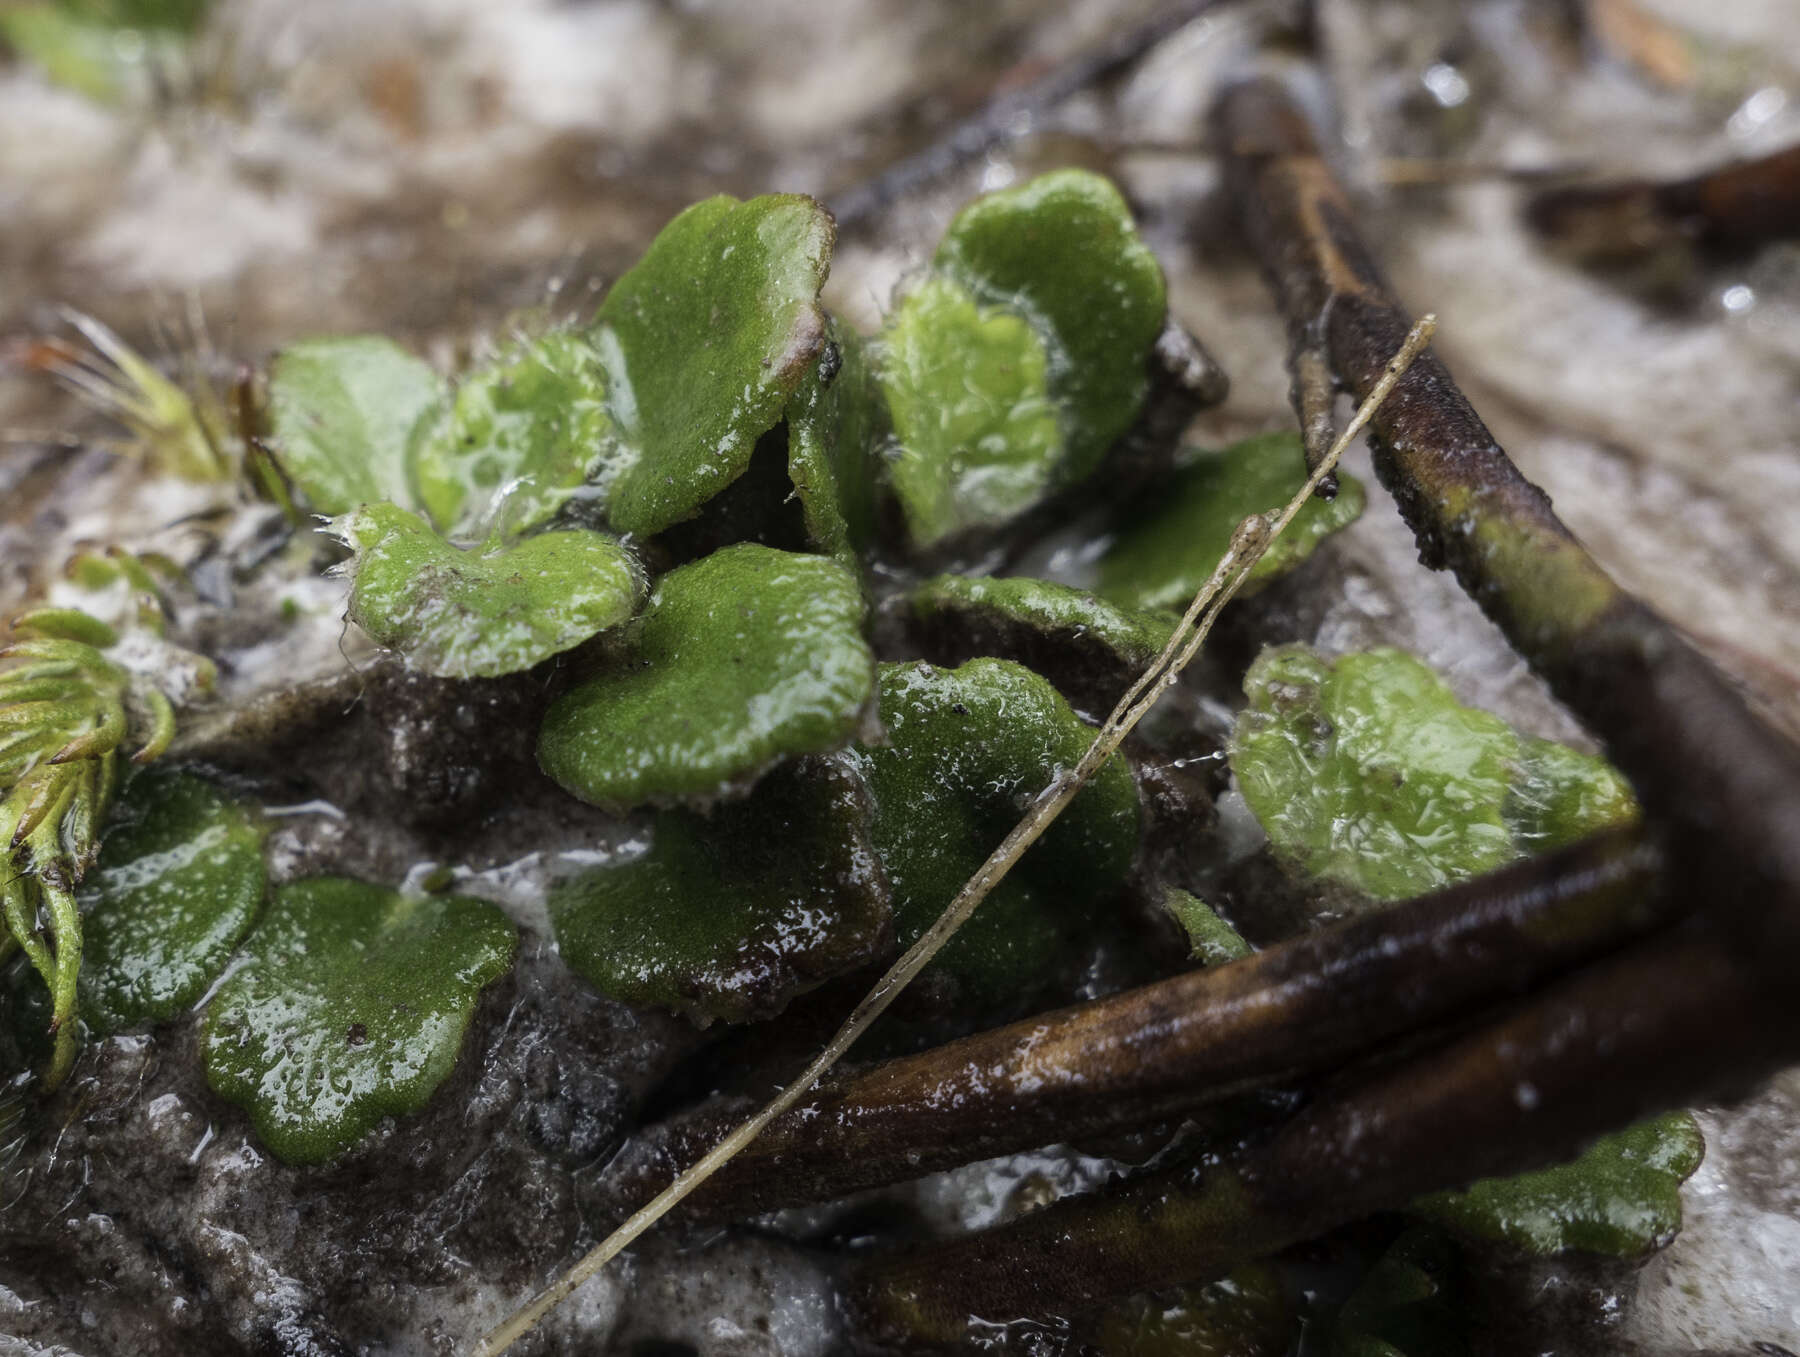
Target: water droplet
(1526,1095)
(997,175)
(1447,84)
(1761,106)
(1737,299)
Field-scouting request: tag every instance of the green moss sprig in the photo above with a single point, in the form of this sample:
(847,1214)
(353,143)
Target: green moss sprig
(69,707)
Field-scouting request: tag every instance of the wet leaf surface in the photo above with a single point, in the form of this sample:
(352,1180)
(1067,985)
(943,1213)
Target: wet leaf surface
(1367,771)
(1014,366)
(967,751)
(739,660)
(1621,1197)
(1214,941)
(343,414)
(704,342)
(968,388)
(517,439)
(1063,252)
(837,425)
(350,1006)
(484,612)
(730,915)
(1177,539)
(178,884)
(1047,626)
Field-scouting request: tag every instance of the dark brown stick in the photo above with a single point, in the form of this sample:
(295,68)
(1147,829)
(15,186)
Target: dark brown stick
(1724,786)
(1671,1022)
(1733,208)
(1301,1007)
(1010,115)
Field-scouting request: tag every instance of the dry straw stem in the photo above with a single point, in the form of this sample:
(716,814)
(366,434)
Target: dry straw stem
(1252,538)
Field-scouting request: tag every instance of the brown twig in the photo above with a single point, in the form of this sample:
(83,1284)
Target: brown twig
(1313,393)
(1724,787)
(1735,207)
(1011,114)
(1702,1014)
(1302,1007)
(1672,1020)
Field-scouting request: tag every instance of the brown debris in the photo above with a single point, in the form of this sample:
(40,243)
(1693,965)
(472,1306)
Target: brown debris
(1730,209)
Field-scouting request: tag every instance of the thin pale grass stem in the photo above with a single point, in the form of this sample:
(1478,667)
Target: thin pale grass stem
(1253,537)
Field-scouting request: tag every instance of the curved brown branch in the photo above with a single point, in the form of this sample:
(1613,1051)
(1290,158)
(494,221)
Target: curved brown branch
(1725,787)
(1735,207)
(1671,1021)
(1302,1007)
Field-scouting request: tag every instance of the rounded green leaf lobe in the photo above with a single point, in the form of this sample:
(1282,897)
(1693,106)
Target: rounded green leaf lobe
(967,752)
(704,341)
(350,1006)
(483,612)
(730,915)
(741,659)
(1173,544)
(177,885)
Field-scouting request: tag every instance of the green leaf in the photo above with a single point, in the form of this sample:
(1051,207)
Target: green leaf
(350,1006)
(1174,541)
(1021,358)
(1367,771)
(1621,1197)
(1062,252)
(1043,625)
(968,389)
(704,341)
(1215,942)
(1560,795)
(495,610)
(967,752)
(730,915)
(1408,1304)
(524,427)
(739,660)
(343,412)
(836,426)
(177,885)
(99,49)
(176,16)
(1245,1314)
